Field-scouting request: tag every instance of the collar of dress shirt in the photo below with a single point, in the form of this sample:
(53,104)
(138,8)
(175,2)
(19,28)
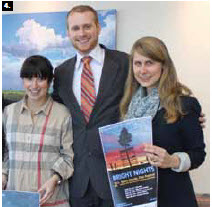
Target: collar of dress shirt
(45,108)
(97,55)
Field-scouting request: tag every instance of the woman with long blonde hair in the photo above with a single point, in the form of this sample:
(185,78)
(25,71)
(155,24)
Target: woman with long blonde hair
(152,89)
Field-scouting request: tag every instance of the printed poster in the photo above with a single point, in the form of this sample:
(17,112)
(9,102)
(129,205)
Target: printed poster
(133,181)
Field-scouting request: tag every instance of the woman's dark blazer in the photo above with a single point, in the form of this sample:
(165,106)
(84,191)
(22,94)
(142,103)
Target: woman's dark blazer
(175,189)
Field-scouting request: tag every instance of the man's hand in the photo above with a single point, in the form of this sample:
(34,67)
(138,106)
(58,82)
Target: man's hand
(47,190)
(202,120)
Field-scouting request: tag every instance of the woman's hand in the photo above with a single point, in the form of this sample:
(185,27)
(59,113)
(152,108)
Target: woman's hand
(4,181)
(47,190)
(159,157)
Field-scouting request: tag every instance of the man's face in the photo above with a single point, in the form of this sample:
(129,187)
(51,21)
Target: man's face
(83,31)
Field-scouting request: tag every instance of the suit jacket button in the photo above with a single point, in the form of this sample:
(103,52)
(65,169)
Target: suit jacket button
(89,153)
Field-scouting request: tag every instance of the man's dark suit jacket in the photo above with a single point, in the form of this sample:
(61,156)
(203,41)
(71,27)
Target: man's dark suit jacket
(89,161)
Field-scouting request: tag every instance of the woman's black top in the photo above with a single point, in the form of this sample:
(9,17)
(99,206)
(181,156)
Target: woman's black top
(175,189)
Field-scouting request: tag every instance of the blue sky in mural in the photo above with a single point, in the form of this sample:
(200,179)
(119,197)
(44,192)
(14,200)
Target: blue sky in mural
(24,35)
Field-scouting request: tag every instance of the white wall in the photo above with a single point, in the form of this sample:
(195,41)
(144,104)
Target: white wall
(183,26)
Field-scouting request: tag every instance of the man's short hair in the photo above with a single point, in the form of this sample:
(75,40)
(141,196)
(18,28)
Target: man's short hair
(81,9)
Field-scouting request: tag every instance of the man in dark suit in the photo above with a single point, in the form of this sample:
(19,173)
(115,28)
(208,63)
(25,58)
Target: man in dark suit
(89,185)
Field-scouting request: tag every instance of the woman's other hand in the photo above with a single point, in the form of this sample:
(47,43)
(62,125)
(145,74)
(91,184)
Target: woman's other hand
(47,190)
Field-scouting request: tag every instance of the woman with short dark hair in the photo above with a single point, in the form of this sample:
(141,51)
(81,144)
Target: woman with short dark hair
(39,138)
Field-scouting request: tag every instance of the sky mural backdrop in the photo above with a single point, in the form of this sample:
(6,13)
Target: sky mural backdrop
(24,35)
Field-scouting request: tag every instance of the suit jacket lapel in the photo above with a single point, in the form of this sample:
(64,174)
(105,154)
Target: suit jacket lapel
(68,79)
(68,82)
(109,72)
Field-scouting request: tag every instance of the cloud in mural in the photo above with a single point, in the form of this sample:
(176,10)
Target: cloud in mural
(38,37)
(34,38)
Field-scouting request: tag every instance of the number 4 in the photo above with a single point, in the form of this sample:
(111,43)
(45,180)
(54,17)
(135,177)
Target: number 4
(6,6)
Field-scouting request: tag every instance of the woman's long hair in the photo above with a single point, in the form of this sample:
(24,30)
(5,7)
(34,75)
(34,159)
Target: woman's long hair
(169,88)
